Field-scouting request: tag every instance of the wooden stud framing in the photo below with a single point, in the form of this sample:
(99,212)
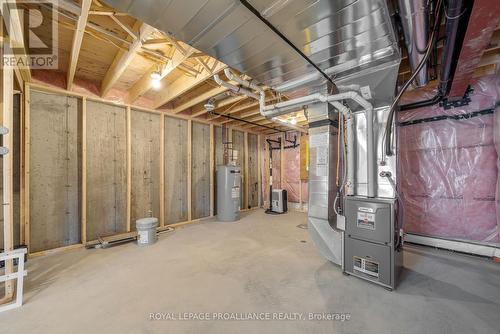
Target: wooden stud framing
(129,166)
(245,169)
(259,169)
(7,114)
(84,171)
(162,170)
(212,169)
(189,166)
(26,172)
(123,59)
(77,42)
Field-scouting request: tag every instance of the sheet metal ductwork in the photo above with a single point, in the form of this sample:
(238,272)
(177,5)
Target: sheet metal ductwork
(415,20)
(341,37)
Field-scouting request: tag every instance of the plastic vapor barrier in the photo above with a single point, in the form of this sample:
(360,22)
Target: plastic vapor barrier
(449,167)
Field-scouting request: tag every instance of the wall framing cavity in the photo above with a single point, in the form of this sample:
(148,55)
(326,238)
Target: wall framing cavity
(106,169)
(200,186)
(125,163)
(145,179)
(176,165)
(54,149)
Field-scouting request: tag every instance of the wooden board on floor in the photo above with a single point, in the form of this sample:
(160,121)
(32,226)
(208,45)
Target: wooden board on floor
(54,172)
(106,169)
(176,164)
(146,133)
(200,177)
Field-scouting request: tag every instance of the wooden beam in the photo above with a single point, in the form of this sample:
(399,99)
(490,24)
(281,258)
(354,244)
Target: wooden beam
(184,84)
(162,170)
(189,167)
(26,174)
(199,99)
(142,85)
(224,103)
(129,167)
(123,59)
(245,170)
(16,39)
(212,169)
(7,115)
(259,169)
(124,27)
(77,42)
(84,171)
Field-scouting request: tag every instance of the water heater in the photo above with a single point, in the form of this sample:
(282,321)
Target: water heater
(228,193)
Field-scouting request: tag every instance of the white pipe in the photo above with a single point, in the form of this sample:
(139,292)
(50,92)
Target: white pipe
(281,108)
(350,155)
(234,88)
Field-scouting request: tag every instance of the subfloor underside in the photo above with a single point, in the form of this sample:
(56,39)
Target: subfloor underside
(262,264)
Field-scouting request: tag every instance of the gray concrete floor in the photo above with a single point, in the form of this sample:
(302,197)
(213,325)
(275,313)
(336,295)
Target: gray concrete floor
(260,264)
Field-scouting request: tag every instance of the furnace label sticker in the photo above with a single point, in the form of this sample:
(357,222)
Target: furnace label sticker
(322,155)
(366,220)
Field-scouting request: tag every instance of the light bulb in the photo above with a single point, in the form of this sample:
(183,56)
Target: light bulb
(293,121)
(155,83)
(155,75)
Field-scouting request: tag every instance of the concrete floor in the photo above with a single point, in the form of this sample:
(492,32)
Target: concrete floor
(261,264)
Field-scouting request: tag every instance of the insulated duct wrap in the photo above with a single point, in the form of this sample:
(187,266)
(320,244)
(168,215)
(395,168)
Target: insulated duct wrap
(449,167)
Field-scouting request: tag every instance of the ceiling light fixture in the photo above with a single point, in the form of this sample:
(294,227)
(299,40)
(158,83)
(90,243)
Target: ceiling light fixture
(156,79)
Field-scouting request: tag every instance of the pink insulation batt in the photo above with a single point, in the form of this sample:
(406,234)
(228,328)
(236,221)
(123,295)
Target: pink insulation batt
(449,168)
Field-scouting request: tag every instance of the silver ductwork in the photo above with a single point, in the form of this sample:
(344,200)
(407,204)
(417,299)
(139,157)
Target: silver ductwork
(415,20)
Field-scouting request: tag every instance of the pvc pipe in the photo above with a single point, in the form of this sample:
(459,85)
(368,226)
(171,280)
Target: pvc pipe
(234,88)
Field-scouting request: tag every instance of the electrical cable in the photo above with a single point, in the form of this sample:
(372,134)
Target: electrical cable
(387,143)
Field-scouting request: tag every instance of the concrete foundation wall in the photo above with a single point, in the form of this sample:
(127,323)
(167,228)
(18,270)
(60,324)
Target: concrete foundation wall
(145,150)
(200,177)
(106,169)
(176,166)
(54,171)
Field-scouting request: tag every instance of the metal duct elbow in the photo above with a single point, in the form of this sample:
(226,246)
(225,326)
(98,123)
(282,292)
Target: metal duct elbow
(415,20)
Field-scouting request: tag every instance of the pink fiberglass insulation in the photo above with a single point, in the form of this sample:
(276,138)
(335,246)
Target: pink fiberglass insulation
(449,167)
(291,171)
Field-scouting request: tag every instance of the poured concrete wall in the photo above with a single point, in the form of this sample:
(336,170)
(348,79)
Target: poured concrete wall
(239,145)
(200,176)
(106,169)
(54,171)
(145,150)
(253,177)
(16,174)
(176,166)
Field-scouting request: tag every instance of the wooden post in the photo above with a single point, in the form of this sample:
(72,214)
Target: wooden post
(189,171)
(84,170)
(162,170)
(259,169)
(129,167)
(26,194)
(6,100)
(212,169)
(21,166)
(245,173)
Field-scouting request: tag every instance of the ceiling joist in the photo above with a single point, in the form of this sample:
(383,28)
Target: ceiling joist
(77,42)
(123,59)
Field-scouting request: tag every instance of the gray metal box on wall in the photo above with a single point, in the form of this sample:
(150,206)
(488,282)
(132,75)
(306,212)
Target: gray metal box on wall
(371,237)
